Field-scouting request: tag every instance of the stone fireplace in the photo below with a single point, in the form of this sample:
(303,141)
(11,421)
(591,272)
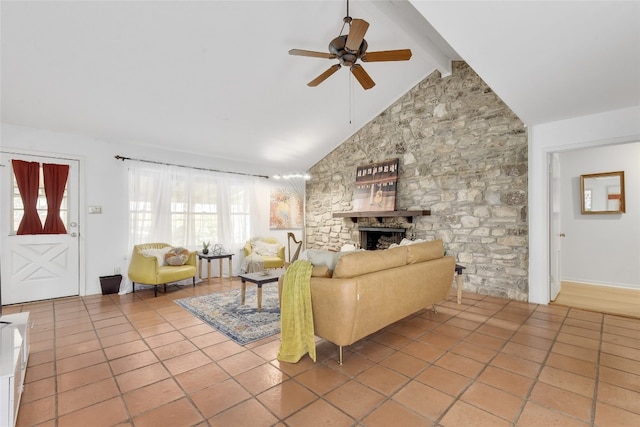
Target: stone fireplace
(372,238)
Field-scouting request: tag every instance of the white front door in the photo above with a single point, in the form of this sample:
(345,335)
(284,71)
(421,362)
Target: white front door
(41,266)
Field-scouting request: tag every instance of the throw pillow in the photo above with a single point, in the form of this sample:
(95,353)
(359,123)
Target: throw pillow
(266,249)
(176,256)
(158,253)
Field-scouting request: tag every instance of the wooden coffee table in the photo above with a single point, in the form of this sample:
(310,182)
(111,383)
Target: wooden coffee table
(259,278)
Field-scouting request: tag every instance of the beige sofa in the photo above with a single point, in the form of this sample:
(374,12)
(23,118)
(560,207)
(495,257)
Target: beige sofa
(369,290)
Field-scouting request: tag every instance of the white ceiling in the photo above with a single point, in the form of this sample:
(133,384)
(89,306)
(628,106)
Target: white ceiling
(214,77)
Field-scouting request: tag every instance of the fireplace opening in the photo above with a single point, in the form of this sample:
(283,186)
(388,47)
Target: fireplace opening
(373,238)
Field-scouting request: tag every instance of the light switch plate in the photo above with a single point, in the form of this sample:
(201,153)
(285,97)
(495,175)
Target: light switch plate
(95,209)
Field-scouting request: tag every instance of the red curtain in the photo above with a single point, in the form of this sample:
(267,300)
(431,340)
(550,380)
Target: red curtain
(55,180)
(28,177)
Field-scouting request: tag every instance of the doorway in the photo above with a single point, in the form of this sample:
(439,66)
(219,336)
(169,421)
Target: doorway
(39,266)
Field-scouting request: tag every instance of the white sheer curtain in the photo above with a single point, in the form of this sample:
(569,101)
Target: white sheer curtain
(184,207)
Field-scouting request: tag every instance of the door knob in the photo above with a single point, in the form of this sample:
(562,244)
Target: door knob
(74,234)
(562,235)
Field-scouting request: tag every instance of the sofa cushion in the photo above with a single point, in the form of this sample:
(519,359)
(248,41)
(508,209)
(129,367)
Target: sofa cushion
(358,263)
(176,256)
(320,271)
(425,251)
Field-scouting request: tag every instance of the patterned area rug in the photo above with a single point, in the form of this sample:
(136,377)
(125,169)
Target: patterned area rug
(241,323)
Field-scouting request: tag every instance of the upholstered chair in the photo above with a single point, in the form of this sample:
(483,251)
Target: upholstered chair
(155,264)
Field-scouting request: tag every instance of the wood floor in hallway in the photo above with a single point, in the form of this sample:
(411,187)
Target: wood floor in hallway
(603,299)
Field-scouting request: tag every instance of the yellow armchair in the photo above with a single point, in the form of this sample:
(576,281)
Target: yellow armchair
(270,261)
(146,269)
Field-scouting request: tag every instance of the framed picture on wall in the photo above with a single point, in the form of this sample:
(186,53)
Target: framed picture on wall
(376,185)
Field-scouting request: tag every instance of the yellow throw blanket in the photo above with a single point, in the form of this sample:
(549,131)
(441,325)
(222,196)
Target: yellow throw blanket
(296,316)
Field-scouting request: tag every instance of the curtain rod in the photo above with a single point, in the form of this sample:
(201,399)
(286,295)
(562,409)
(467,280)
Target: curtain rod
(118,157)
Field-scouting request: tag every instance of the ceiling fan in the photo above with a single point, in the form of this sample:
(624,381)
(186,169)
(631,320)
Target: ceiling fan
(348,49)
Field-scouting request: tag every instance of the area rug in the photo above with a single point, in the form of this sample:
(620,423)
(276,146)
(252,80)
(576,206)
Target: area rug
(241,323)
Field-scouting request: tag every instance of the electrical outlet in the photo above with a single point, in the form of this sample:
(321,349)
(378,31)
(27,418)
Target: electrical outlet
(116,270)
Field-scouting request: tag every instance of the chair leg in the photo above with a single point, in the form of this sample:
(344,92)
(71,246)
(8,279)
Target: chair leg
(155,291)
(194,281)
(133,284)
(165,288)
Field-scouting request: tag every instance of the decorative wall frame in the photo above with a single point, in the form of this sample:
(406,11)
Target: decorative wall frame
(376,186)
(602,193)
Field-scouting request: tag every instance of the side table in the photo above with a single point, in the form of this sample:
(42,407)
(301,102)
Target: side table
(459,269)
(219,257)
(259,279)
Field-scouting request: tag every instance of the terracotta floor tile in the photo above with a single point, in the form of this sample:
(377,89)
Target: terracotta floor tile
(382,379)
(451,331)
(615,362)
(36,412)
(223,350)
(444,380)
(509,382)
(39,372)
(286,398)
(619,378)
(208,339)
(423,351)
(38,389)
(106,413)
(62,341)
(83,376)
(133,362)
(152,396)
(321,379)
(354,399)
(319,413)
(562,400)
(372,350)
(495,331)
(607,415)
(575,351)
(392,339)
(567,381)
(463,414)
(175,349)
(581,332)
(219,397)
(516,365)
(525,352)
(125,349)
(474,352)
(87,395)
(78,348)
(164,339)
(393,414)
(535,415)
(485,341)
(423,400)
(201,377)
(186,362)
(260,378)
(249,413)
(178,413)
(620,397)
(122,338)
(460,364)
(141,377)
(81,361)
(241,362)
(579,341)
(621,340)
(571,364)
(493,400)
(404,364)
(596,326)
(620,350)
(622,331)
(529,340)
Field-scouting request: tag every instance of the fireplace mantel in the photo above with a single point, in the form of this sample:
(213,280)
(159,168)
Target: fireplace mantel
(381,214)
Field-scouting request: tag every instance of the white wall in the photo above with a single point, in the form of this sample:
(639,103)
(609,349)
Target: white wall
(609,128)
(103,182)
(601,248)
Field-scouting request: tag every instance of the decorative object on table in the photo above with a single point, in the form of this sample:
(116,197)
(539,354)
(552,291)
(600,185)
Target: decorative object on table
(205,247)
(285,209)
(218,249)
(242,323)
(375,189)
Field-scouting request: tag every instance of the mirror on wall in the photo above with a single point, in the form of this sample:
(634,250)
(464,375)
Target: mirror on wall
(602,193)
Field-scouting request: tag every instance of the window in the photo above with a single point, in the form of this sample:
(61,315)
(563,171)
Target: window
(18,207)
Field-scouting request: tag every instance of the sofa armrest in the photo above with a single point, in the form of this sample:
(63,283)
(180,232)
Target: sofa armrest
(142,268)
(193,259)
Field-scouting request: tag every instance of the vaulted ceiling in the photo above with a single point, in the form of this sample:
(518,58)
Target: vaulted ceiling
(214,77)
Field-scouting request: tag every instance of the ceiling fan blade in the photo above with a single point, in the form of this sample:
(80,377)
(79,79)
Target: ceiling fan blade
(356,34)
(324,76)
(301,52)
(387,55)
(362,76)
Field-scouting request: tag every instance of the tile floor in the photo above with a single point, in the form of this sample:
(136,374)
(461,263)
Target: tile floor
(135,360)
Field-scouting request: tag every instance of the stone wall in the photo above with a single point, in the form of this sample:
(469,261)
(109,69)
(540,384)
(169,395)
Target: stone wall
(463,155)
